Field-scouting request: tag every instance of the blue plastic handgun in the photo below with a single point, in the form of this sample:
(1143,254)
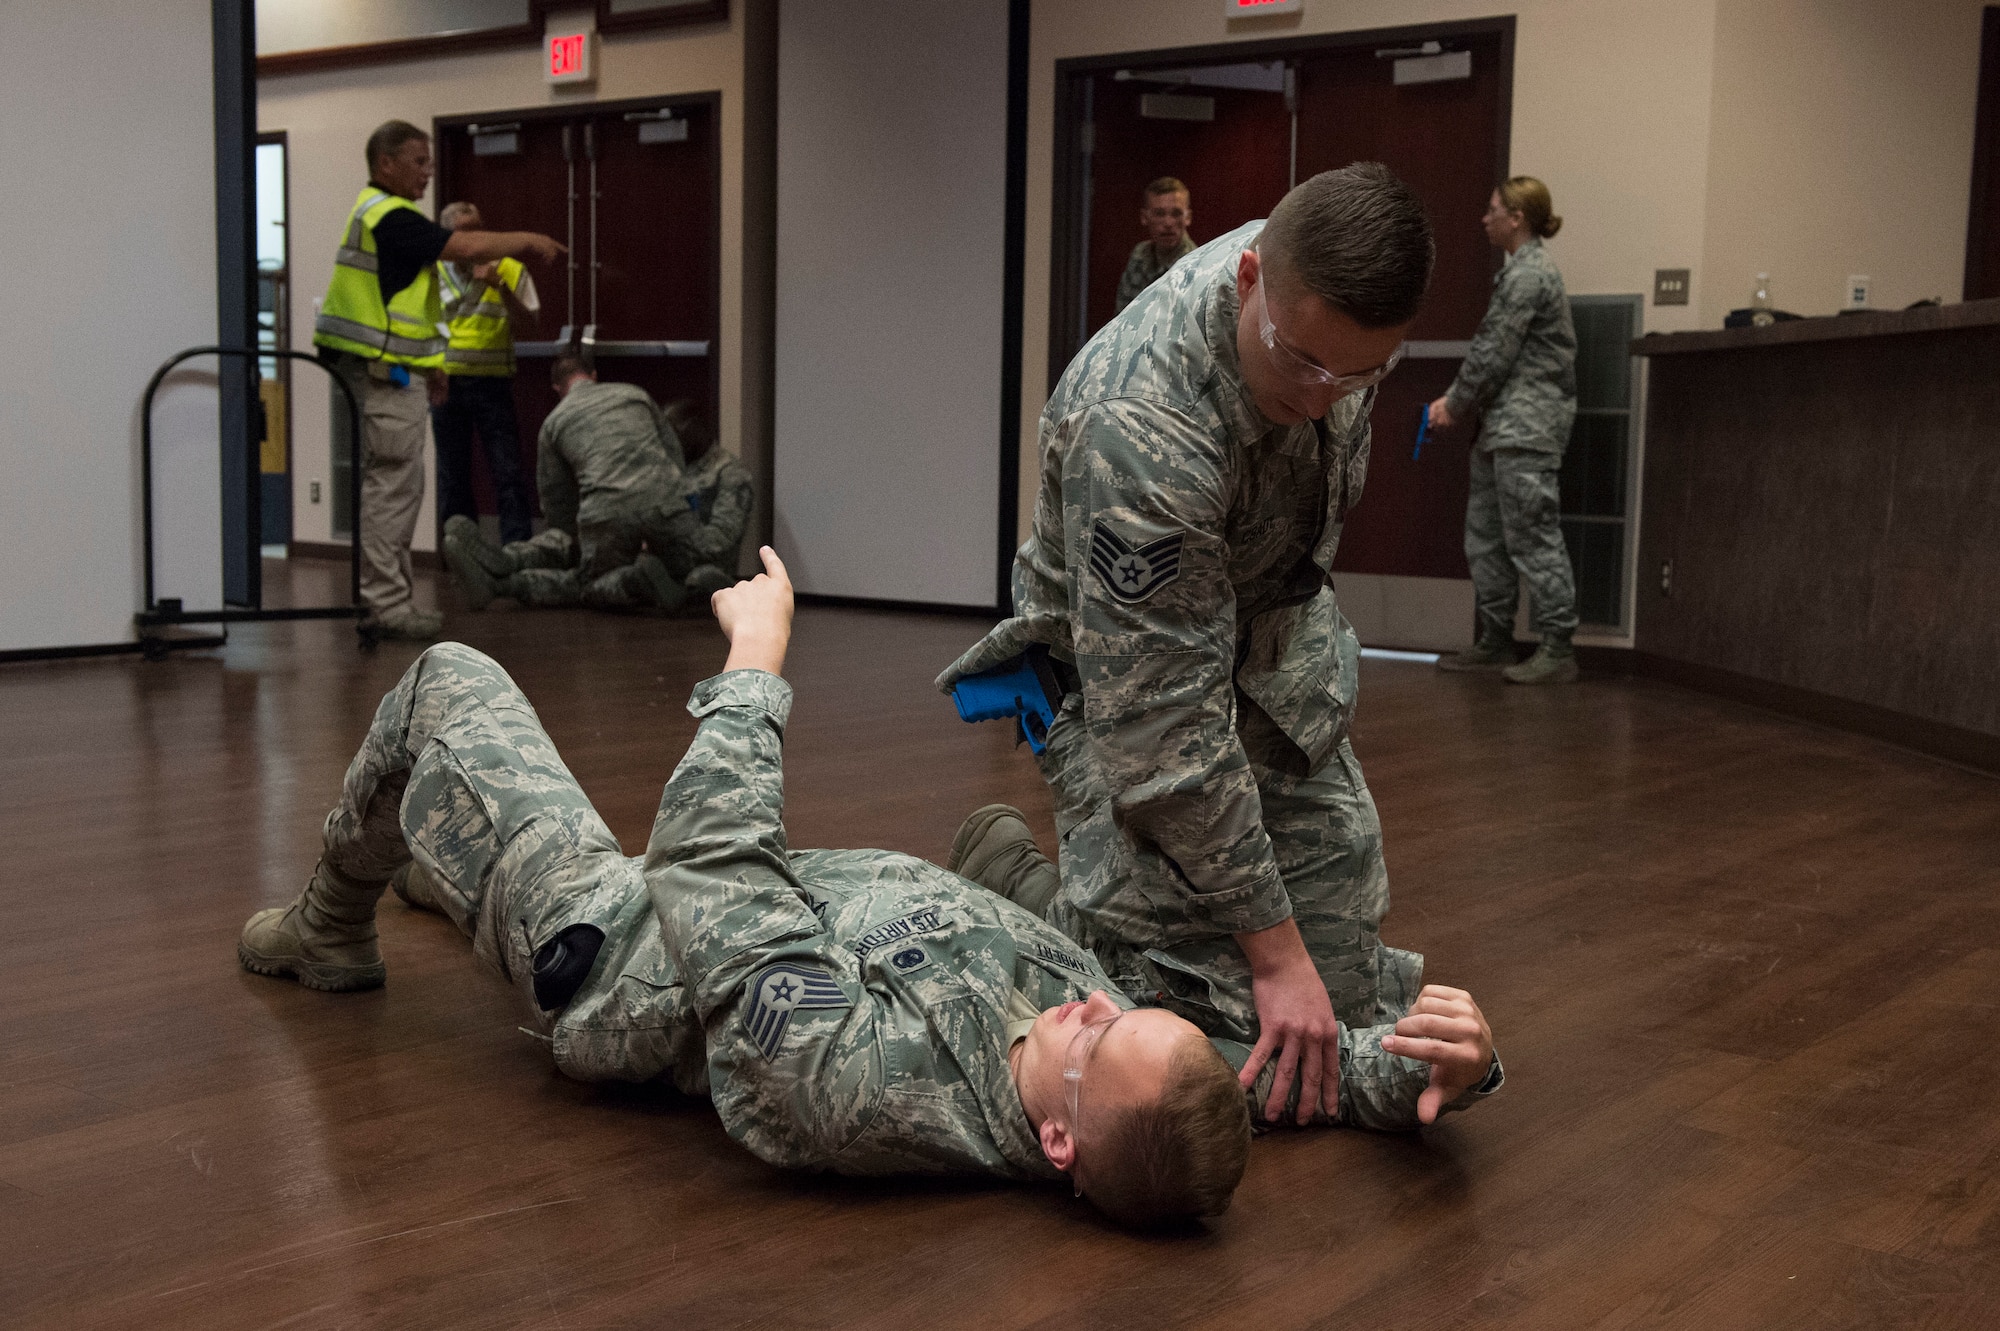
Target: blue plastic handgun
(1423,432)
(1023,689)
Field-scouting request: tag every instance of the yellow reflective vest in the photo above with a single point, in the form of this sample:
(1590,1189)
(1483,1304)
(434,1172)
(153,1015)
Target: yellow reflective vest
(482,339)
(352,317)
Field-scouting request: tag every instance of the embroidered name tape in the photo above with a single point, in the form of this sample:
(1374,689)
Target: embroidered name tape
(781,990)
(1056,956)
(920,921)
(1133,571)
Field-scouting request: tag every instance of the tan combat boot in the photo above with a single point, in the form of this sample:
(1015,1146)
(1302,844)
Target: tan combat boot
(325,939)
(497,560)
(995,849)
(1552,663)
(1493,652)
(704,580)
(667,591)
(462,554)
(407,623)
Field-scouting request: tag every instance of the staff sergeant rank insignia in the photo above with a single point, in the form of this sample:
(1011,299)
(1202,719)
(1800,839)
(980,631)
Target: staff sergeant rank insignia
(780,991)
(1131,572)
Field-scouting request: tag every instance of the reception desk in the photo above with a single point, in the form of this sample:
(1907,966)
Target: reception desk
(1820,521)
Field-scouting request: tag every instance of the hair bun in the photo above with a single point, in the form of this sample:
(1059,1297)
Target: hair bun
(1553,225)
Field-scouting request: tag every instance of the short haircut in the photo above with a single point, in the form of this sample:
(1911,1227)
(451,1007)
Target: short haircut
(389,138)
(1181,1156)
(449,214)
(1168,185)
(1530,198)
(1358,239)
(567,366)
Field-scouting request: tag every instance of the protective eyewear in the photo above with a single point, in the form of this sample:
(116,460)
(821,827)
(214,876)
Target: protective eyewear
(1081,1046)
(1302,368)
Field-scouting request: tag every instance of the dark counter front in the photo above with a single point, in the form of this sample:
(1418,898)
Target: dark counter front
(1820,521)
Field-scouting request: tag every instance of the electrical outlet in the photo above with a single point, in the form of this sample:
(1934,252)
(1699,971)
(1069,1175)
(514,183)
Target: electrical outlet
(312,492)
(1670,286)
(1666,577)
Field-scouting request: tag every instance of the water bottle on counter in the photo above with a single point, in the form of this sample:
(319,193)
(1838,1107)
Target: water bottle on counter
(1760,303)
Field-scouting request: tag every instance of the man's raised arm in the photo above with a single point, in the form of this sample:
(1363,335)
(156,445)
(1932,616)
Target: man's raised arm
(793,1061)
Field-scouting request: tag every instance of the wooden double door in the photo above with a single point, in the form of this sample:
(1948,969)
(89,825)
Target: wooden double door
(633,188)
(1271,114)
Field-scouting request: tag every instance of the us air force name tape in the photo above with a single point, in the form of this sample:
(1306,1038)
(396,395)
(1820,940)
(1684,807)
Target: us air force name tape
(920,921)
(782,989)
(1131,570)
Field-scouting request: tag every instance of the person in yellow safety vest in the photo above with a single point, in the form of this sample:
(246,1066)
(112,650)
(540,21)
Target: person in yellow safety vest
(380,329)
(483,302)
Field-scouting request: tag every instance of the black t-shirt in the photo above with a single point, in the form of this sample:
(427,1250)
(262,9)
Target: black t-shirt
(406,243)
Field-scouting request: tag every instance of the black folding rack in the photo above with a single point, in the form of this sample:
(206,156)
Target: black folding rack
(160,614)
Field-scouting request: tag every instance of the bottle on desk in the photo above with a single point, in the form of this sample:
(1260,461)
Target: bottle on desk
(1760,303)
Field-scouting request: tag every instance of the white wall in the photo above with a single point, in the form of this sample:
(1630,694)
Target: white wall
(112,271)
(892,120)
(327,118)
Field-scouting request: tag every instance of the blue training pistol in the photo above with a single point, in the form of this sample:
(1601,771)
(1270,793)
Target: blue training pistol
(1023,690)
(1423,432)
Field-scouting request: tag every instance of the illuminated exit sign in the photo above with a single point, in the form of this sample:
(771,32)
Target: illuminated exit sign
(1250,8)
(566,57)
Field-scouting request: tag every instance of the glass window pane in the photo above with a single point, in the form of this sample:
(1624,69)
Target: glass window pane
(1604,331)
(1593,471)
(1597,554)
(311,25)
(270,206)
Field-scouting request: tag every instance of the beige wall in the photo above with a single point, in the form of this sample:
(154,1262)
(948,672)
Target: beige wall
(328,116)
(1840,142)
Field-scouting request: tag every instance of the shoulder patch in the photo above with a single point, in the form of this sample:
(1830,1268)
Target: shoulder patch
(909,960)
(1133,571)
(778,992)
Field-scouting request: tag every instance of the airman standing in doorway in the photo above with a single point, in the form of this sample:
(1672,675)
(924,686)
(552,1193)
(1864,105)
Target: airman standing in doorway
(379,329)
(484,302)
(1166,216)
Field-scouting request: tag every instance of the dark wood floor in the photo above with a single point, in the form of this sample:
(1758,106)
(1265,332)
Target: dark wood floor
(1745,974)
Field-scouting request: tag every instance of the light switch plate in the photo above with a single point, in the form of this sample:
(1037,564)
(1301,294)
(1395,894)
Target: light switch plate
(1670,286)
(1857,292)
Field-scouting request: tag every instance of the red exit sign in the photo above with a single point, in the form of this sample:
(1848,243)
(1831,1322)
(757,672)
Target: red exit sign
(566,57)
(1246,8)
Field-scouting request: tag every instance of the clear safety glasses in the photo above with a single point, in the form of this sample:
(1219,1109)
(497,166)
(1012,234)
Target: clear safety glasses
(1303,368)
(1081,1046)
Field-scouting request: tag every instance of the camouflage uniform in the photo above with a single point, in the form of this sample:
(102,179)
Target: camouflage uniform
(1521,373)
(609,472)
(1177,565)
(1144,268)
(721,494)
(847,1010)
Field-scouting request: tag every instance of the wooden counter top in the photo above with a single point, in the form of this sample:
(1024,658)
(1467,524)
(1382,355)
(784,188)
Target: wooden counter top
(1828,328)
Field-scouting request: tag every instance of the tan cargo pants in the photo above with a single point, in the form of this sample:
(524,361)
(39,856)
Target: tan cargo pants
(395,420)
